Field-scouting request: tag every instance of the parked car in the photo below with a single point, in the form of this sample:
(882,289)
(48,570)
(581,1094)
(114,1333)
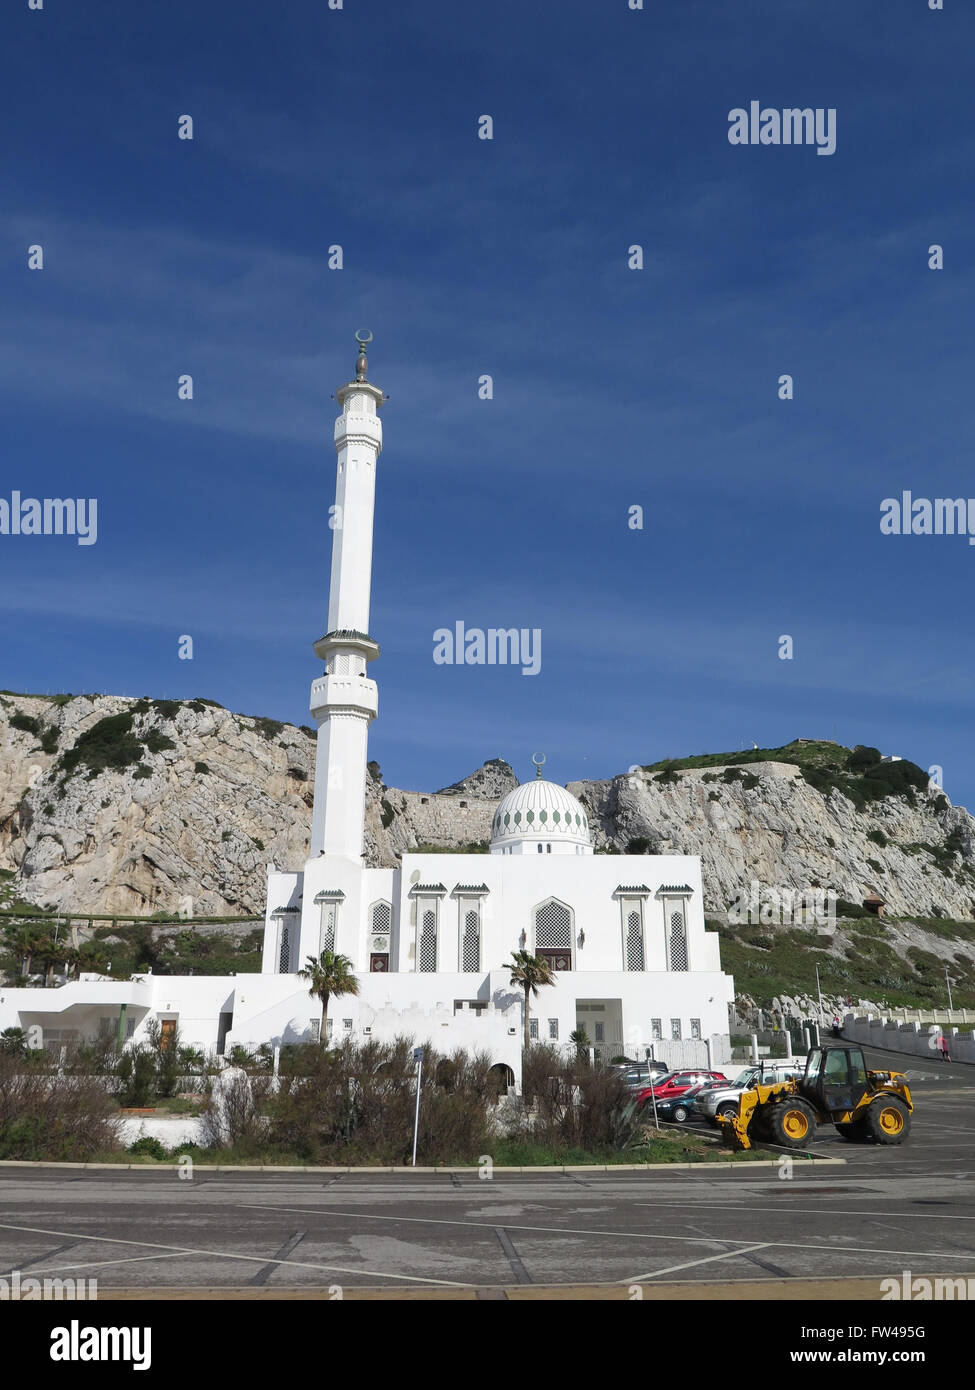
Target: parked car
(642,1074)
(723,1100)
(679,1082)
(677,1109)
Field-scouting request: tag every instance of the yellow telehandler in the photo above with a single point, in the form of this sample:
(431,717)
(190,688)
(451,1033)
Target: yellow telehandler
(865,1106)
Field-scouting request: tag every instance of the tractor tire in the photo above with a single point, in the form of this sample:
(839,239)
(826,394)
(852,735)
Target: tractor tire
(888,1120)
(791,1123)
(855,1133)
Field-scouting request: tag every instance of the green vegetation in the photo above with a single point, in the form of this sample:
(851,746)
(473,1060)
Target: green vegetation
(765,966)
(268,728)
(26,723)
(859,774)
(110,743)
(387,813)
(201,768)
(878,837)
(469,847)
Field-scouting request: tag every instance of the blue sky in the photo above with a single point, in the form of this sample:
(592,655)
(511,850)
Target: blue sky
(613,387)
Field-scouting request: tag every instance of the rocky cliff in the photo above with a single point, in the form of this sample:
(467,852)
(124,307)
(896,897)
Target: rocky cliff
(116,805)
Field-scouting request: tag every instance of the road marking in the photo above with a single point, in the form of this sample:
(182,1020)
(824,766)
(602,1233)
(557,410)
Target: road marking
(99,1264)
(802,1211)
(263,1275)
(614,1235)
(514,1259)
(706,1260)
(228,1255)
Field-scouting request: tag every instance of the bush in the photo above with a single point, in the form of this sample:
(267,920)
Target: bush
(147,1147)
(878,837)
(136,1071)
(356,1103)
(44,1116)
(108,744)
(26,723)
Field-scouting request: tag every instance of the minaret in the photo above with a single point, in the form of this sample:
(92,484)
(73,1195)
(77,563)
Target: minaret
(344,700)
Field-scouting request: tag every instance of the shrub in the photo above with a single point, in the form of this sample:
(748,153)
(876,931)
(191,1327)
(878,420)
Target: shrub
(26,723)
(148,1147)
(387,814)
(157,742)
(108,744)
(201,768)
(878,837)
(54,1118)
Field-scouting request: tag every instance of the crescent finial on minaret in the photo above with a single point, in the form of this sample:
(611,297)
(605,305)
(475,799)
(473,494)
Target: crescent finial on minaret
(363,338)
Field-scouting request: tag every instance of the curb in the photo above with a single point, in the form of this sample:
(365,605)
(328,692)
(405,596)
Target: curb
(471,1169)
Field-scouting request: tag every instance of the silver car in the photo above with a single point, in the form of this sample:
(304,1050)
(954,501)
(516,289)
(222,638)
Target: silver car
(723,1100)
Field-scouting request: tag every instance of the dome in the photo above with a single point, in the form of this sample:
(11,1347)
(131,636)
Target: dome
(540,817)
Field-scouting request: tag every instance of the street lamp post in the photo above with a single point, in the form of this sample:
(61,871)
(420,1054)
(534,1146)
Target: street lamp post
(820,993)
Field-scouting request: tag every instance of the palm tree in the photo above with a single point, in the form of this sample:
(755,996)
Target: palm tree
(25,938)
(329,974)
(530,972)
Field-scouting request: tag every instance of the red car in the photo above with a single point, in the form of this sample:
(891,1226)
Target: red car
(679,1082)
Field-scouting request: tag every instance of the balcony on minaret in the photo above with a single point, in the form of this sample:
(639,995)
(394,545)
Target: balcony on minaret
(352,692)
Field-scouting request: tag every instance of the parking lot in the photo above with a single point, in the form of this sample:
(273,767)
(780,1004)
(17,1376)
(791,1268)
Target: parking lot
(829,1231)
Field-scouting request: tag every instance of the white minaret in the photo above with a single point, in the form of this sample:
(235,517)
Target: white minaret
(344,700)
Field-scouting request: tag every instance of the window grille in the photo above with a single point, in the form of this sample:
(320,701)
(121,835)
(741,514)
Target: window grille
(428,940)
(657,1029)
(675,1029)
(471,951)
(553,1030)
(695,1028)
(553,927)
(382,916)
(284,950)
(678,942)
(634,941)
(326,937)
(533,1028)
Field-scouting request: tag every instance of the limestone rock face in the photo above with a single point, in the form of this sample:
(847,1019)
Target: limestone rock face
(784,834)
(193,826)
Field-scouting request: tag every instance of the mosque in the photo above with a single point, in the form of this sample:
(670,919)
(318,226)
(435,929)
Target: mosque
(624,935)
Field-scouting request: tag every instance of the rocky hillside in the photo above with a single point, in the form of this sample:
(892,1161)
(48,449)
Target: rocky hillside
(118,805)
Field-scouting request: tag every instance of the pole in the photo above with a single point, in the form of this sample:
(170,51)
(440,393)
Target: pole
(820,993)
(418,1058)
(653,1098)
(948,983)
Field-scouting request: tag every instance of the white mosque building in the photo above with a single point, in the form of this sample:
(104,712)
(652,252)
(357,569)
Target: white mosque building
(429,941)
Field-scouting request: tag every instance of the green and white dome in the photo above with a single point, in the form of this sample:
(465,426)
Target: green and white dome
(540,817)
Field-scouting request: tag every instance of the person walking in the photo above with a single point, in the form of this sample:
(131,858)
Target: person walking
(943,1045)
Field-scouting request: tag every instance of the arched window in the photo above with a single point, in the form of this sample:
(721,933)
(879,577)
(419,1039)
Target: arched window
(635,959)
(329,922)
(380,928)
(678,941)
(553,934)
(470,954)
(284,947)
(427,953)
